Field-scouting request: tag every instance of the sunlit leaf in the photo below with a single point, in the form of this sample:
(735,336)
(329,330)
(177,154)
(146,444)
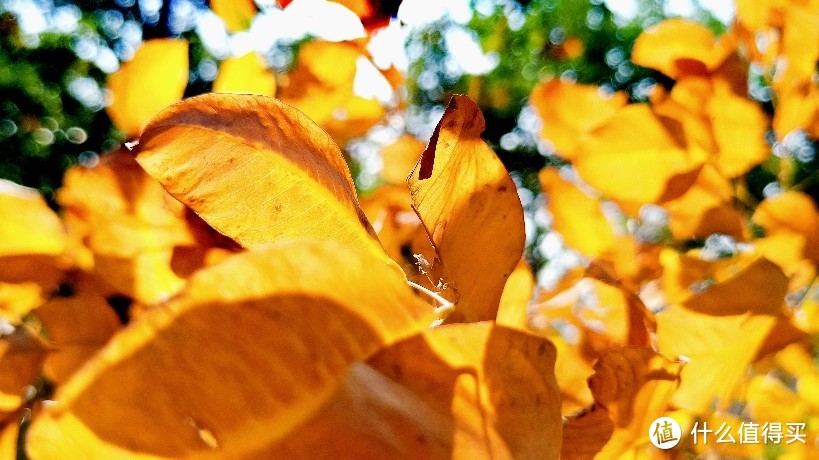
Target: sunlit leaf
(719,331)
(155,78)
(576,216)
(34,228)
(245,74)
(244,355)
(354,119)
(458,391)
(739,130)
(21,357)
(571,110)
(130,224)
(32,242)
(631,387)
(778,215)
(237,14)
(78,324)
(678,47)
(399,158)
(322,79)
(632,168)
(705,208)
(514,303)
(256,170)
(470,209)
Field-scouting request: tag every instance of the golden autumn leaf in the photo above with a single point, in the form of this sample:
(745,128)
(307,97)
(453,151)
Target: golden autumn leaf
(470,209)
(705,208)
(35,228)
(399,158)
(243,356)
(256,170)
(8,440)
(678,47)
(577,216)
(632,386)
(800,46)
(739,127)
(635,169)
(78,324)
(354,119)
(322,79)
(457,391)
(154,78)
(389,209)
(590,107)
(237,14)
(32,242)
(719,331)
(130,224)
(21,356)
(245,74)
(514,302)
(776,216)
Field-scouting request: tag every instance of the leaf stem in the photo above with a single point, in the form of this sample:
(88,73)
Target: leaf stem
(446,306)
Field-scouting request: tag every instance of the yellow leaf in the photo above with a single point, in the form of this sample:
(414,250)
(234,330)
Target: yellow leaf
(78,324)
(576,216)
(354,119)
(739,130)
(777,216)
(571,110)
(457,391)
(155,78)
(322,79)
(632,387)
(399,158)
(32,241)
(797,109)
(245,74)
(28,226)
(237,14)
(247,353)
(632,168)
(256,170)
(389,208)
(470,209)
(800,47)
(514,303)
(130,224)
(705,208)
(678,47)
(21,357)
(8,440)
(720,330)
(769,400)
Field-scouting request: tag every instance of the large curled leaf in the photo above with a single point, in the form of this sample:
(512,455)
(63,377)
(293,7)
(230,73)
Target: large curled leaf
(256,170)
(461,391)
(470,208)
(247,352)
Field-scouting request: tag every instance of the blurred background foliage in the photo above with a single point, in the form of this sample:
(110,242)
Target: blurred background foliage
(55,55)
